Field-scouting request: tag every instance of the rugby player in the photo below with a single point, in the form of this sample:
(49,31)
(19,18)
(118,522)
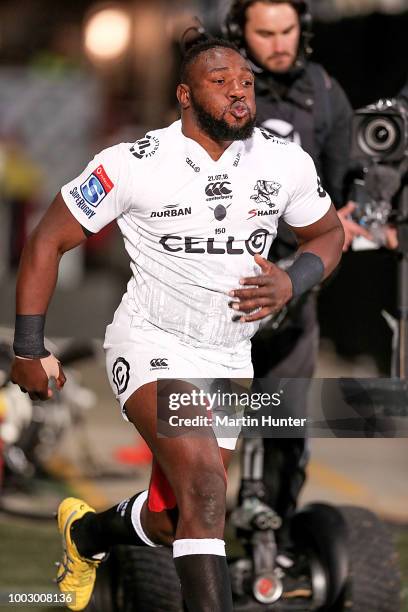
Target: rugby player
(198,205)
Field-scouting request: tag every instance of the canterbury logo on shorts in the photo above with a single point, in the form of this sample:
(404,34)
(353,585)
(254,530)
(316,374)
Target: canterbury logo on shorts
(159,364)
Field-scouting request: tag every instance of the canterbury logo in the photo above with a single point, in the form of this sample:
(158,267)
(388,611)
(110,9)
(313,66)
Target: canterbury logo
(159,363)
(218,189)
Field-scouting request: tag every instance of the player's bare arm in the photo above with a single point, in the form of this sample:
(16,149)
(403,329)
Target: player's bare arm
(319,253)
(57,232)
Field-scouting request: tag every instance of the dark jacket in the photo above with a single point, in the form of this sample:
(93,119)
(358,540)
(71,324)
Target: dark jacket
(317,108)
(310,108)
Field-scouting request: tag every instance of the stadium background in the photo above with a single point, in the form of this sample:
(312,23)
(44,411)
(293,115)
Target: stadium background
(69,87)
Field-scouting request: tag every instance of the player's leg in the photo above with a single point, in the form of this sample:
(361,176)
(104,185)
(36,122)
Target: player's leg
(121,524)
(86,533)
(161,523)
(194,469)
(195,472)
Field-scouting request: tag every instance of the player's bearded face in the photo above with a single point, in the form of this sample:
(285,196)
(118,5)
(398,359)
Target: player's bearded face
(217,126)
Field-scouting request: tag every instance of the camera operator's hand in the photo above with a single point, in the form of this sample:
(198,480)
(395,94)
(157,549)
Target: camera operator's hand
(391,237)
(268,293)
(350,227)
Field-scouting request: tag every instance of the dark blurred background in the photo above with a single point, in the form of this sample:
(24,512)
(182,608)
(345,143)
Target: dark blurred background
(76,77)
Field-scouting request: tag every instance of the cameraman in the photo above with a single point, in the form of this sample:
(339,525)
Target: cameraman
(298,100)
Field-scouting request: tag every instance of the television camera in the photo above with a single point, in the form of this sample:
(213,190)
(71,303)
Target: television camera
(380,148)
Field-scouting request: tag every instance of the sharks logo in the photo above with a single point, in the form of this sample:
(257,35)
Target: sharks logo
(265,191)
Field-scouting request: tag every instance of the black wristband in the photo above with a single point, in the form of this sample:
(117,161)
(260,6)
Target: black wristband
(306,272)
(29,337)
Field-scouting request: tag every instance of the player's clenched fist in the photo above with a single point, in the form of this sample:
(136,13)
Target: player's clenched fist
(267,294)
(33,376)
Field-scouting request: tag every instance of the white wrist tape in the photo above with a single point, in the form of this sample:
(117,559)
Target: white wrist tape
(50,365)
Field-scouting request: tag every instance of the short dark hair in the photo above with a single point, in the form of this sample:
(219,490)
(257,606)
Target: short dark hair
(201,47)
(237,16)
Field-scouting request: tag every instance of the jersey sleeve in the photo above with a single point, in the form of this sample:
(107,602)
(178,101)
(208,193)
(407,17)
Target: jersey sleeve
(101,193)
(308,201)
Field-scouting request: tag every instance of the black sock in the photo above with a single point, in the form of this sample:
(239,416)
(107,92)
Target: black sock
(97,532)
(205,580)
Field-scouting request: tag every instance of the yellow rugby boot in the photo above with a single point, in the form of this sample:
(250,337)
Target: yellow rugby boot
(75,574)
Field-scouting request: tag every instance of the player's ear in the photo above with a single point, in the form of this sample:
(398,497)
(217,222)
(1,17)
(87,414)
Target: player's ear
(183,95)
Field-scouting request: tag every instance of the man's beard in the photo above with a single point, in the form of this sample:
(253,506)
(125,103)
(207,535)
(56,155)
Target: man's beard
(219,129)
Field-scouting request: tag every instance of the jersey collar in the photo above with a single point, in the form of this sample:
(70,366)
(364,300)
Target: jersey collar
(195,151)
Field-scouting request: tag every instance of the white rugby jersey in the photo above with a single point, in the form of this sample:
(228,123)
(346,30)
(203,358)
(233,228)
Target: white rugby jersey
(192,225)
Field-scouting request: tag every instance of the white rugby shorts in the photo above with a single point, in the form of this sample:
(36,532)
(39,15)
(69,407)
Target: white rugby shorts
(138,353)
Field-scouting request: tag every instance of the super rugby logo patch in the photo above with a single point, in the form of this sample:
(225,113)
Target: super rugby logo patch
(96,187)
(120,374)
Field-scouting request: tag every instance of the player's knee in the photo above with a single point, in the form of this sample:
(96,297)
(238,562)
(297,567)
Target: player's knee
(203,498)
(160,527)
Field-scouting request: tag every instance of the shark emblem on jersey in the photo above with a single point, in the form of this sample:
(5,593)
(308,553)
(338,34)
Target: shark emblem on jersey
(265,191)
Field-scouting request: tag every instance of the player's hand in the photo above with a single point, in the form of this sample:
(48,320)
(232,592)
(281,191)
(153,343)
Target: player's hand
(33,376)
(350,227)
(391,238)
(268,293)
